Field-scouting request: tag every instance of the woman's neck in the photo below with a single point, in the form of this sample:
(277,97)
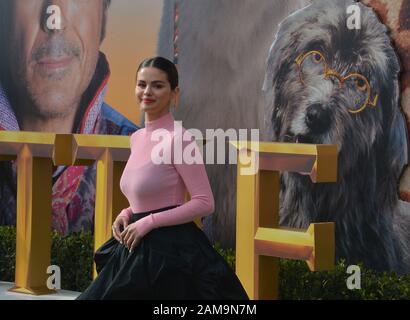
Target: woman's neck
(153,116)
(166,121)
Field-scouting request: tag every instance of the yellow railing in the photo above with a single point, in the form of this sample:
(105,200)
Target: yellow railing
(260,242)
(36,154)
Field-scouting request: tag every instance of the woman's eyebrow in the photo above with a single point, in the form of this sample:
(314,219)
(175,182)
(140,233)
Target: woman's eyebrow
(153,82)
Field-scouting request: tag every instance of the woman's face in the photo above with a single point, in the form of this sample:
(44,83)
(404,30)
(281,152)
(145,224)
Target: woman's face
(153,91)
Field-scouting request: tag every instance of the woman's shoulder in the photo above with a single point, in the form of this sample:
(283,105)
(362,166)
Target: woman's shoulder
(136,135)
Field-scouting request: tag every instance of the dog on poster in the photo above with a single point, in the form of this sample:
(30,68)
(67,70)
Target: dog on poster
(328,84)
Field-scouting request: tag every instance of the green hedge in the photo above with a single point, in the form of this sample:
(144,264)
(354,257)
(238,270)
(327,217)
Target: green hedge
(74,256)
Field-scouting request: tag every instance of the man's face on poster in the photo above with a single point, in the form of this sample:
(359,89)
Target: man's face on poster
(53,67)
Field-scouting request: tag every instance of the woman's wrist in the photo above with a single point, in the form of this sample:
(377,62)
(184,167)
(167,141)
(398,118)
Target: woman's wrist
(145,225)
(127,213)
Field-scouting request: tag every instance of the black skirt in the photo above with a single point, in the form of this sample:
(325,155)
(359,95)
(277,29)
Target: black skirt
(176,262)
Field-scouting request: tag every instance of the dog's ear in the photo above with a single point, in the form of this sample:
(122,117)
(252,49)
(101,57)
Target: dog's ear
(281,56)
(392,149)
(394,124)
(272,66)
(279,52)
(397,139)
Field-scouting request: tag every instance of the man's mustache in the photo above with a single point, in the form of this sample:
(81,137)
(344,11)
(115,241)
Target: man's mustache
(56,48)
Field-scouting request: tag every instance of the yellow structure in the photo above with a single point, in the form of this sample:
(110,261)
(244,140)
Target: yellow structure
(111,154)
(260,242)
(34,153)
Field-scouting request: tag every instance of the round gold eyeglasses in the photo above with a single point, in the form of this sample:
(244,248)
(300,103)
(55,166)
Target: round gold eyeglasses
(313,63)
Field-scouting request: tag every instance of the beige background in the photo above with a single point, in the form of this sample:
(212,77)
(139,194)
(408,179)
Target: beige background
(132,33)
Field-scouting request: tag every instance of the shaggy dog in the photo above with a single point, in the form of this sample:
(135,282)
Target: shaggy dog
(328,84)
(222,58)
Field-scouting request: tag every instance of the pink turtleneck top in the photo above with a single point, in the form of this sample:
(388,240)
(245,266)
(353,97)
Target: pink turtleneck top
(164,163)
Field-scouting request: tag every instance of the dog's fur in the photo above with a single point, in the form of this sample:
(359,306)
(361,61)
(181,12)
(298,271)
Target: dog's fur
(223,47)
(372,225)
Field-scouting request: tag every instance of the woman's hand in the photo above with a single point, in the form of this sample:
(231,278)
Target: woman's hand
(119,224)
(130,237)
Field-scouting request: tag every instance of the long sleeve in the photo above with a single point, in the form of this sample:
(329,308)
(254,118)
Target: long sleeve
(201,203)
(127,212)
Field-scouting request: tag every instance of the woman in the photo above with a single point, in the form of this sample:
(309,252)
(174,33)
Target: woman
(157,252)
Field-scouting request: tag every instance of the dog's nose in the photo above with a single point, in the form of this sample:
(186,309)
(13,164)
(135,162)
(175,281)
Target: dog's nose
(318,118)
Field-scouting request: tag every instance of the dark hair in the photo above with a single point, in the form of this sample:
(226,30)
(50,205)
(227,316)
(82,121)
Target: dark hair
(164,65)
